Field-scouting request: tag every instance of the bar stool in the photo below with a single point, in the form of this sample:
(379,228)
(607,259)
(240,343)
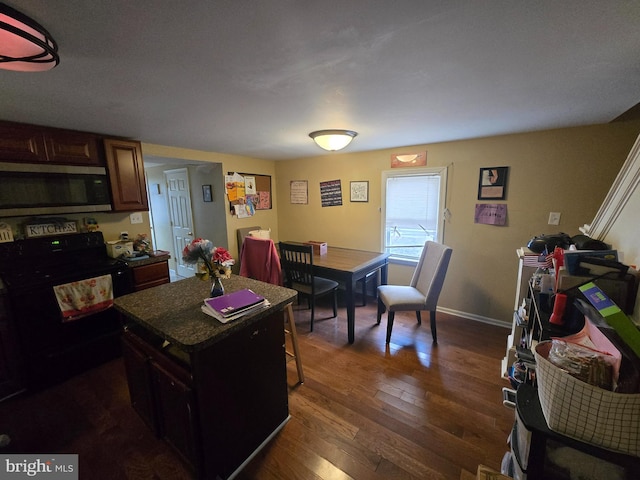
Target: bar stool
(290,329)
(260,261)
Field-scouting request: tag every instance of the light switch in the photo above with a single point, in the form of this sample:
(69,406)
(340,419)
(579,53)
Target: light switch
(554,218)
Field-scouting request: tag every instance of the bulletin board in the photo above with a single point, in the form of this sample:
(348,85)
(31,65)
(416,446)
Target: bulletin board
(254,190)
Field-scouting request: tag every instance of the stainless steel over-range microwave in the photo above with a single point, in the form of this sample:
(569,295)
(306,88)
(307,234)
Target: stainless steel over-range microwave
(42,189)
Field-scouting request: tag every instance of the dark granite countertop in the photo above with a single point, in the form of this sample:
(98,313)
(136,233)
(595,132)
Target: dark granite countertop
(172,311)
(148,261)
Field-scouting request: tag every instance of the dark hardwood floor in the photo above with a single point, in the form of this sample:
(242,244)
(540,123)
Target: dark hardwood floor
(410,410)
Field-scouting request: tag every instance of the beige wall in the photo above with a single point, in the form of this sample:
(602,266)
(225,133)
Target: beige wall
(565,170)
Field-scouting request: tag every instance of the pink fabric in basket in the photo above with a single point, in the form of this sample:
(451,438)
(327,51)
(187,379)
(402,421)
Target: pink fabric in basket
(591,337)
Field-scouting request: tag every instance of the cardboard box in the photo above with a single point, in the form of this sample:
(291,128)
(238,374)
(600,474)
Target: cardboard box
(319,248)
(116,248)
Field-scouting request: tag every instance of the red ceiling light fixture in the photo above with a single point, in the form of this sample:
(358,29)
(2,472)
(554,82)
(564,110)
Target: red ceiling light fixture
(25,45)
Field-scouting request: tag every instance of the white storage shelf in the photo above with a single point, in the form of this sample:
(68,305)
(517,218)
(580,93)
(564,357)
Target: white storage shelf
(519,324)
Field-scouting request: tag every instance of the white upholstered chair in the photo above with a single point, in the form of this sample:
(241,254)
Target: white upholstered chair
(423,291)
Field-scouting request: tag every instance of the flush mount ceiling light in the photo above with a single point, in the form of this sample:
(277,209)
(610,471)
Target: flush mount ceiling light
(25,45)
(333,140)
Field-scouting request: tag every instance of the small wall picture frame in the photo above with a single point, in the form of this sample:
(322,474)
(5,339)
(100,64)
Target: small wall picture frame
(360,191)
(207,194)
(409,159)
(492,184)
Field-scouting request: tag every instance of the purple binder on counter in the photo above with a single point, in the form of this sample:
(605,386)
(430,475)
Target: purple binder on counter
(234,302)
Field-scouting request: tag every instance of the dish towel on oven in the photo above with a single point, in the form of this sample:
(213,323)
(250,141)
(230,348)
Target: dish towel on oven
(78,299)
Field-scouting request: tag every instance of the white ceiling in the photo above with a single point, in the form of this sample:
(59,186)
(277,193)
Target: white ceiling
(255,77)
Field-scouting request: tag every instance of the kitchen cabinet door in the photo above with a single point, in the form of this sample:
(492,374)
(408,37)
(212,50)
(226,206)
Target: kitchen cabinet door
(73,148)
(21,143)
(126,175)
(177,415)
(138,365)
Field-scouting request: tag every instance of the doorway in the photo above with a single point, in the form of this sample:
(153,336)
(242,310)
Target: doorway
(208,213)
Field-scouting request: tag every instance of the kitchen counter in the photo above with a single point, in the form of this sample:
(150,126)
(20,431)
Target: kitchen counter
(148,261)
(172,311)
(217,393)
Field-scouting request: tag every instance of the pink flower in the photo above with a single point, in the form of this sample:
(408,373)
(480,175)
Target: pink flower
(222,256)
(217,260)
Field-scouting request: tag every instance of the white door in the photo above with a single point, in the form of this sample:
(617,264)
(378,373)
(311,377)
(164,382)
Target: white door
(181,216)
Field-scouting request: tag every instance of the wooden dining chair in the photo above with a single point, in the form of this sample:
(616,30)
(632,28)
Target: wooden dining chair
(297,271)
(423,291)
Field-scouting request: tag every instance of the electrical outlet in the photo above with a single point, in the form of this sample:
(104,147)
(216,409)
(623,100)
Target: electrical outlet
(554,218)
(136,217)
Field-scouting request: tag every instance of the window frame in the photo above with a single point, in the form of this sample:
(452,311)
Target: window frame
(442,208)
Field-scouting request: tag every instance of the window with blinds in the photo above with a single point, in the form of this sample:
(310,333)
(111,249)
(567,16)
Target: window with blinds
(412,210)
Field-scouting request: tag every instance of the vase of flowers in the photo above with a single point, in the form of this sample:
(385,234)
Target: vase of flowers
(211,262)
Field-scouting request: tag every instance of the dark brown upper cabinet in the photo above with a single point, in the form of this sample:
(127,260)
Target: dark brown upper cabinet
(126,174)
(74,148)
(34,144)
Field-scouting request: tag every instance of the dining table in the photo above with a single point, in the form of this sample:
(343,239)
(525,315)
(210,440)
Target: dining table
(348,266)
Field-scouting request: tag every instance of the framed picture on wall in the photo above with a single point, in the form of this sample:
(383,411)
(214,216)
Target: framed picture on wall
(492,184)
(409,159)
(360,191)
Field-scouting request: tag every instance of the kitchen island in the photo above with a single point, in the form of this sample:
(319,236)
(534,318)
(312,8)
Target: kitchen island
(216,392)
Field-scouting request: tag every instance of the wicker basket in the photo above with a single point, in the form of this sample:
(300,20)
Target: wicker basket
(584,412)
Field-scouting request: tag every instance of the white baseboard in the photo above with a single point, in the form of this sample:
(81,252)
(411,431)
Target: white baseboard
(257,450)
(477,318)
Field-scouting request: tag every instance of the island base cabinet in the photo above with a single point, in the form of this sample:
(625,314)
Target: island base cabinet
(218,405)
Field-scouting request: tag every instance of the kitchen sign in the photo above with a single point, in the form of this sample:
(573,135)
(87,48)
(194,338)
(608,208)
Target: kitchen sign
(55,228)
